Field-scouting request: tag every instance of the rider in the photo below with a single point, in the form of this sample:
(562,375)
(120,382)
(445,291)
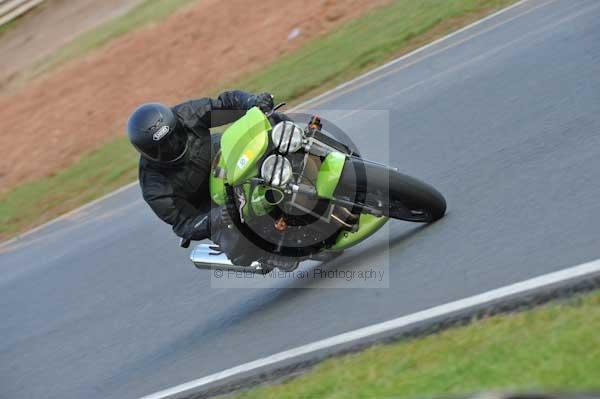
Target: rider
(176,150)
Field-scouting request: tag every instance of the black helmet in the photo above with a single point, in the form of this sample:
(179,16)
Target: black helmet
(153,131)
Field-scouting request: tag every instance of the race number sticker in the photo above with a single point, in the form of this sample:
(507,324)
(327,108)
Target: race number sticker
(244,159)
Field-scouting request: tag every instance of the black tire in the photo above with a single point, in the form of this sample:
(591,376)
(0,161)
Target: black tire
(413,200)
(396,195)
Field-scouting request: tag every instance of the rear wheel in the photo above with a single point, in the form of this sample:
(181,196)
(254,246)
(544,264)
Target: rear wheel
(394,194)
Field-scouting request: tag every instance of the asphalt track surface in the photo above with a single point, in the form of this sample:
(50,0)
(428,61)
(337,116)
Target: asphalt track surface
(503,118)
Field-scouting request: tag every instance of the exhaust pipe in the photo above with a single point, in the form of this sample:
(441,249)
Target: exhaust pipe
(203,257)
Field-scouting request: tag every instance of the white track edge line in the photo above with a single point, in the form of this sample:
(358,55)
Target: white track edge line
(298,107)
(546,280)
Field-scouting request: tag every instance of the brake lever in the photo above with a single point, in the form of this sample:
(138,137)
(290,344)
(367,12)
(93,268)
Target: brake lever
(275,108)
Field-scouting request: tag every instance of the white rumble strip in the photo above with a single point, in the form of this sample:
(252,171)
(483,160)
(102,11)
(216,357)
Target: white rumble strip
(547,280)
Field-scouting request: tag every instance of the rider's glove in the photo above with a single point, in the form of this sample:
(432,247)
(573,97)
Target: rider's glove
(264,101)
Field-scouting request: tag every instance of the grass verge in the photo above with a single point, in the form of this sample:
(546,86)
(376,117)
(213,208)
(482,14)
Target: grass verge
(97,173)
(367,42)
(319,65)
(146,13)
(552,348)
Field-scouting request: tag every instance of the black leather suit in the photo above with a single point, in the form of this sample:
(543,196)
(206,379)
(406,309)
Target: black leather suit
(179,193)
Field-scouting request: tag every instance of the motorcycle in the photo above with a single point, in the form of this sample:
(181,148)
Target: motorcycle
(297,193)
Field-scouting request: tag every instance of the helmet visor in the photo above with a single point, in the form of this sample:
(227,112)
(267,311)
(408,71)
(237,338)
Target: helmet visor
(173,146)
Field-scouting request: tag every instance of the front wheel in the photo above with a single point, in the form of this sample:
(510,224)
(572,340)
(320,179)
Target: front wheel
(412,200)
(396,195)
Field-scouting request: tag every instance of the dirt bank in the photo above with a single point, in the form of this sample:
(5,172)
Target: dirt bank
(50,26)
(86,102)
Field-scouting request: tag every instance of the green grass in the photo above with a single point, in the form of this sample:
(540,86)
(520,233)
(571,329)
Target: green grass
(552,348)
(363,43)
(146,13)
(97,173)
(320,64)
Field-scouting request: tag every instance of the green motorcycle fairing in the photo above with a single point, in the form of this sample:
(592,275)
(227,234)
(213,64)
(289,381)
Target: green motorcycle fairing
(367,226)
(217,184)
(258,202)
(327,181)
(243,144)
(329,174)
